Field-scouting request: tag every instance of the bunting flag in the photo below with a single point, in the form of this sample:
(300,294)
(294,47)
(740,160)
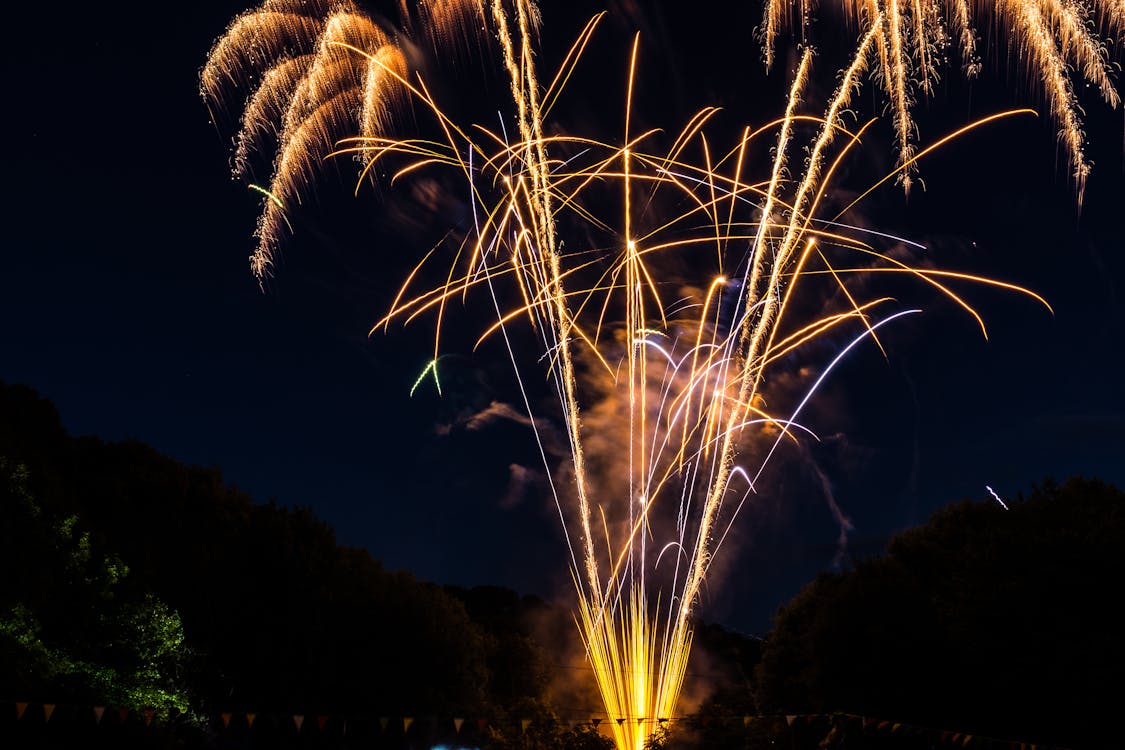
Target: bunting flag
(834,723)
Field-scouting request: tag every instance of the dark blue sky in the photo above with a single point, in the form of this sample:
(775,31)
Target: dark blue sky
(126,299)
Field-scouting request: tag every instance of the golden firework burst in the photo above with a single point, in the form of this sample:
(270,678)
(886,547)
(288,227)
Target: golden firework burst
(1055,41)
(668,393)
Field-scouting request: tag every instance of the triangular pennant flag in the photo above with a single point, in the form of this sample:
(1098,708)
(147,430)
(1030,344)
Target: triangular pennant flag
(406,722)
(298,720)
(225,715)
(98,712)
(595,722)
(383,723)
(620,721)
(20,708)
(524,724)
(790,719)
(321,721)
(149,713)
(457,723)
(123,714)
(48,709)
(250,719)
(661,722)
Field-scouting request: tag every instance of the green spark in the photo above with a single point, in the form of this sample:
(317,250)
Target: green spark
(431,366)
(268,194)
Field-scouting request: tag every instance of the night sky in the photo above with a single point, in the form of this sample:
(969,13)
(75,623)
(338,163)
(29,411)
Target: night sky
(126,299)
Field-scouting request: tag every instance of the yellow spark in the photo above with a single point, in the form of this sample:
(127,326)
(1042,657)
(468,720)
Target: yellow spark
(268,194)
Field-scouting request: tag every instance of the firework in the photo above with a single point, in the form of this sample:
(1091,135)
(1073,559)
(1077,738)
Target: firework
(1048,38)
(680,370)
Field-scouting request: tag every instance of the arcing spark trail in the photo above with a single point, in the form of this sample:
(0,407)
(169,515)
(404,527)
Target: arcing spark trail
(685,377)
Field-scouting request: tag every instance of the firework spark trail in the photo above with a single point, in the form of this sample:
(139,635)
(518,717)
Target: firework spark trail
(1051,38)
(308,85)
(692,384)
(996,497)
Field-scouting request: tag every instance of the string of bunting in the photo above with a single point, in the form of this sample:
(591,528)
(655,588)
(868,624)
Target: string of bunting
(27,711)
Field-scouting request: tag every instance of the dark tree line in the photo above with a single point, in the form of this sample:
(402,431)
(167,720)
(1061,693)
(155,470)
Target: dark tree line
(1001,623)
(114,551)
(133,580)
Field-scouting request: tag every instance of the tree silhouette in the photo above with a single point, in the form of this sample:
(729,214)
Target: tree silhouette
(984,620)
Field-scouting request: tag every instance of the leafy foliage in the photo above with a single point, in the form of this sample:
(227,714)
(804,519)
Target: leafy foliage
(280,615)
(72,624)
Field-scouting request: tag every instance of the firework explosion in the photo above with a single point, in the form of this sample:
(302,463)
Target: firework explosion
(683,367)
(1048,38)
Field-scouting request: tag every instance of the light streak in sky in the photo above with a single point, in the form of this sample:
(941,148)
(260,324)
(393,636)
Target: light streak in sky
(663,404)
(992,492)
(430,369)
(1054,42)
(273,198)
